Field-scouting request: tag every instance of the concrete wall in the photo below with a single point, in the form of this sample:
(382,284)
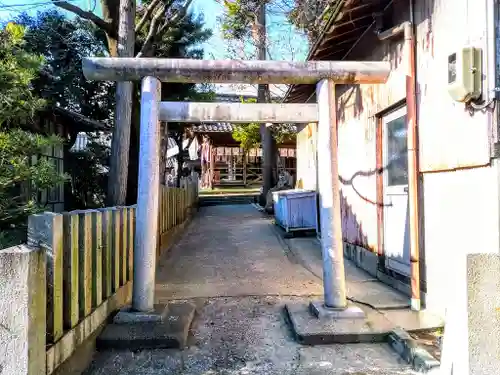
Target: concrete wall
(22,311)
(459,206)
(306,156)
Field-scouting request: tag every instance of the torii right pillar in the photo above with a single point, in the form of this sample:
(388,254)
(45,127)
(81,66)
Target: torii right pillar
(335,300)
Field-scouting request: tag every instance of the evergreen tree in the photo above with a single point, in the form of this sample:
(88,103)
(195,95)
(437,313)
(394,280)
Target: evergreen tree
(22,174)
(64,43)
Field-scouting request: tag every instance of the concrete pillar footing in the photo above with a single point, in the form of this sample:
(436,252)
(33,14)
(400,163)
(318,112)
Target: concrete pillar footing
(320,311)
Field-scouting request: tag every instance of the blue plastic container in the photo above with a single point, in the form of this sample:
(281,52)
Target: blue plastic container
(295,210)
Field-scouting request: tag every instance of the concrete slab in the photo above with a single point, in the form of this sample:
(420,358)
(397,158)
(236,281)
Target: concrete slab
(361,286)
(414,321)
(309,330)
(355,359)
(376,294)
(171,332)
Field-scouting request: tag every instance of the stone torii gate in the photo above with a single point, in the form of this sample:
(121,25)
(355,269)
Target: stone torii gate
(325,74)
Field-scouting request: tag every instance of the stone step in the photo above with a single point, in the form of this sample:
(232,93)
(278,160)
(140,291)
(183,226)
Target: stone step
(217,200)
(171,332)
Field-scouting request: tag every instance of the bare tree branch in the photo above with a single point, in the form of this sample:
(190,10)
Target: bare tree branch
(156,31)
(98,21)
(153,28)
(148,12)
(178,17)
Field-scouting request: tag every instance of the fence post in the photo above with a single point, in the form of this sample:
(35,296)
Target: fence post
(175,206)
(116,243)
(70,271)
(23,310)
(85,262)
(107,258)
(125,245)
(97,247)
(131,241)
(46,231)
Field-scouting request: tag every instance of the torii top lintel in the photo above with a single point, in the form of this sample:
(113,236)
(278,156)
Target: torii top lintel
(234,71)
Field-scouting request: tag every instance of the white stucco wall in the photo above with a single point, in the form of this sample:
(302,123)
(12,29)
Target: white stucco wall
(306,157)
(460,190)
(460,207)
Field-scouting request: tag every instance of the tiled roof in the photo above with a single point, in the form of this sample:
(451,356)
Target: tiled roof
(225,127)
(221,127)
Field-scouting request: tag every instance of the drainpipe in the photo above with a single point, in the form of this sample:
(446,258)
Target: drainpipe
(408,30)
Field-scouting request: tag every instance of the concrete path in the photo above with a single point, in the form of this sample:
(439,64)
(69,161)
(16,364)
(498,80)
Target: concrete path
(360,285)
(232,266)
(231,251)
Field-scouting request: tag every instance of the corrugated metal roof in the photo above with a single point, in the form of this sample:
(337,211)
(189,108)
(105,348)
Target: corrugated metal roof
(348,23)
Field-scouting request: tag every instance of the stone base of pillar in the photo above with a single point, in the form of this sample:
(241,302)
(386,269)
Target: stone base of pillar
(130,316)
(319,310)
(312,324)
(167,327)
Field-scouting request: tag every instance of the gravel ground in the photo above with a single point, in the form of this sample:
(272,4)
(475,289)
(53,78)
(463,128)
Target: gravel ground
(232,266)
(238,336)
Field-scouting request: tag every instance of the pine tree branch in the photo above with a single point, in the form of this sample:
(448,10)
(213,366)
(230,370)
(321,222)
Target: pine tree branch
(98,21)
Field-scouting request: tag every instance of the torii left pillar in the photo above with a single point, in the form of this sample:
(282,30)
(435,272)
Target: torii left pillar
(147,197)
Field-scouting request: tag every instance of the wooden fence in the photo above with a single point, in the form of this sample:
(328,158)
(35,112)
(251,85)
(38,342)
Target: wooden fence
(89,260)
(176,205)
(181,200)
(90,257)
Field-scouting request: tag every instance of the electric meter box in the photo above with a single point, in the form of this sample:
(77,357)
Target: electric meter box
(465,74)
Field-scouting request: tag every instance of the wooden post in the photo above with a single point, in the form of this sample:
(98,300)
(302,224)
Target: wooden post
(124,247)
(107,258)
(97,257)
(211,172)
(244,168)
(85,263)
(116,238)
(45,231)
(71,267)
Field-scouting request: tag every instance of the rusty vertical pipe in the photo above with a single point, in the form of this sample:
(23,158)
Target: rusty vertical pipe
(407,28)
(413,162)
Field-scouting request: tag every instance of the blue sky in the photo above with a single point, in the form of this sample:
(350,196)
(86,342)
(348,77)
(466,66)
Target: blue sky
(285,42)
